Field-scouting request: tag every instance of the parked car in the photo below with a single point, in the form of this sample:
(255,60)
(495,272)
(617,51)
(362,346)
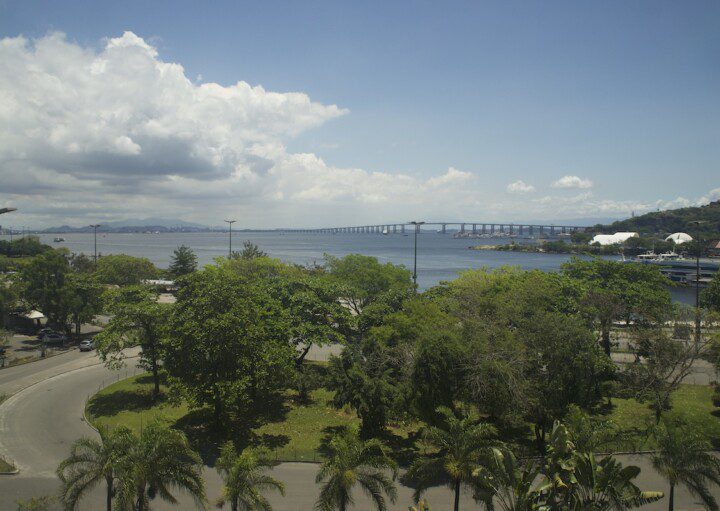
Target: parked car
(54,338)
(87,345)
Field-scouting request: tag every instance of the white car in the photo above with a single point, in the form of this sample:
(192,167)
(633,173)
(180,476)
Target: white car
(87,345)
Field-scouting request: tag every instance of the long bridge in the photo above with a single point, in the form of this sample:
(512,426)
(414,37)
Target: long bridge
(475,228)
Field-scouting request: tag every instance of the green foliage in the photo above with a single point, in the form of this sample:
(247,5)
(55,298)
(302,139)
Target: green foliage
(710,296)
(36,504)
(244,479)
(364,281)
(458,443)
(352,461)
(685,459)
(124,270)
(370,393)
(229,344)
(250,251)
(136,319)
(183,261)
(84,298)
(670,221)
(505,481)
(24,246)
(81,263)
(44,286)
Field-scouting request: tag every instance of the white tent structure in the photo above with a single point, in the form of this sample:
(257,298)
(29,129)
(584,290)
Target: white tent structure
(613,239)
(679,238)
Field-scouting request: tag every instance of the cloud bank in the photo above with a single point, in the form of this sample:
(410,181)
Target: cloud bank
(98,134)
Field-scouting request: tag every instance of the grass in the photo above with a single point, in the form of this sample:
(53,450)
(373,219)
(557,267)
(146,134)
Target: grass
(691,403)
(297,432)
(6,467)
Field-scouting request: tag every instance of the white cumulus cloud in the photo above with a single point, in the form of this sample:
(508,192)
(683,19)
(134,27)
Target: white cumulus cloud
(520,186)
(572,182)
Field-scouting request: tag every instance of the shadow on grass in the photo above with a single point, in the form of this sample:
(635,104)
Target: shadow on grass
(122,400)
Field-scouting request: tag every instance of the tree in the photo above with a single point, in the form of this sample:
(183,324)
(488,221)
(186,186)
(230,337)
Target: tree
(662,363)
(363,280)
(229,344)
(81,263)
(684,458)
(710,297)
(92,462)
(124,270)
(244,479)
(614,290)
(36,503)
(183,261)
(159,461)
(458,443)
(44,284)
(136,319)
(503,480)
(84,298)
(351,461)
(371,395)
(8,299)
(250,251)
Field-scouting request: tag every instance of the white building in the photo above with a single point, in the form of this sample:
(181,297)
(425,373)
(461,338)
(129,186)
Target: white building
(613,239)
(679,238)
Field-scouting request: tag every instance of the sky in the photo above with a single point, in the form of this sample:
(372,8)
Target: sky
(314,113)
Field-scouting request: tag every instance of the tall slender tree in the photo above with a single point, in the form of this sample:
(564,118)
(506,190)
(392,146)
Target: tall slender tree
(183,261)
(244,479)
(159,461)
(92,462)
(684,459)
(458,443)
(353,461)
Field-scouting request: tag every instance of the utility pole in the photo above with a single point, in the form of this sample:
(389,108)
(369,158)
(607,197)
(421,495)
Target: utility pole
(417,228)
(230,222)
(698,242)
(95,228)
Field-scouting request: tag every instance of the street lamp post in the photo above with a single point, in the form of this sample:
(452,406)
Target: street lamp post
(698,243)
(95,228)
(230,222)
(417,228)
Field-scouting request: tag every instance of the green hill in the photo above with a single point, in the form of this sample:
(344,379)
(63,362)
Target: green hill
(662,223)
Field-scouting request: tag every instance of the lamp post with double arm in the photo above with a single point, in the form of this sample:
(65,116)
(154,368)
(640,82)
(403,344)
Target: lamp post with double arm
(230,222)
(417,228)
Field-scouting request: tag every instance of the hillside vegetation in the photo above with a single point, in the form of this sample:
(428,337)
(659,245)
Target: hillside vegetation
(674,220)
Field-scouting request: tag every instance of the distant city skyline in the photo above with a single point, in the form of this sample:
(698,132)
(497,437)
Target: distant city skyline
(285,114)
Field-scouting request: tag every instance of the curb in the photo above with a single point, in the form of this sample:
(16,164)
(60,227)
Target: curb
(10,461)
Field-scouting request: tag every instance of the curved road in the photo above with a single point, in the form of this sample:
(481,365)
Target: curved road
(45,415)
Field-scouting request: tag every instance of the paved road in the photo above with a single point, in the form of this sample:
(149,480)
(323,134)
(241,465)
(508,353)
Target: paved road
(38,425)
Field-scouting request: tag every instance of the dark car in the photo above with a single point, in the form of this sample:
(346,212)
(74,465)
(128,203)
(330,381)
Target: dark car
(54,338)
(43,332)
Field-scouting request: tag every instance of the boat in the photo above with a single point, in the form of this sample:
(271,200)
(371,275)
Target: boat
(58,239)
(681,270)
(385,231)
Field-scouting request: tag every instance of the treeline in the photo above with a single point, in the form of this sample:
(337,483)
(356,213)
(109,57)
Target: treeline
(670,221)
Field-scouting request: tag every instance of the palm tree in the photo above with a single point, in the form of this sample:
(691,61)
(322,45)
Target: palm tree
(606,485)
(90,462)
(244,480)
(683,459)
(353,461)
(458,444)
(160,460)
(502,480)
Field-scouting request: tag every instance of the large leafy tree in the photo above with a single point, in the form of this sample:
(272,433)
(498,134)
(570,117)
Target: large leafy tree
(92,462)
(685,459)
(84,298)
(457,443)
(44,286)
(612,290)
(159,462)
(351,461)
(245,480)
(182,262)
(364,281)
(369,391)
(229,344)
(136,319)
(124,270)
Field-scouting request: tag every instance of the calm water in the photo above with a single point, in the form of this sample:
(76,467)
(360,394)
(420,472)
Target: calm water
(440,257)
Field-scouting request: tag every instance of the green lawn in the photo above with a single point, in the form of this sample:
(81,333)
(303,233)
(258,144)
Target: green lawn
(298,430)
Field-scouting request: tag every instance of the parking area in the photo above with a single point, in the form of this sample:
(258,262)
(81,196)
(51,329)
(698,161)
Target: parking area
(23,348)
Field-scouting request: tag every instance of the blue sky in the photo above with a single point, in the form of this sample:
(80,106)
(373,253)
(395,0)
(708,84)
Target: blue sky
(624,95)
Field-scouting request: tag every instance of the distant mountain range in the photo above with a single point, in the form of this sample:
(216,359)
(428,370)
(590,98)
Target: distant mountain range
(135,225)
